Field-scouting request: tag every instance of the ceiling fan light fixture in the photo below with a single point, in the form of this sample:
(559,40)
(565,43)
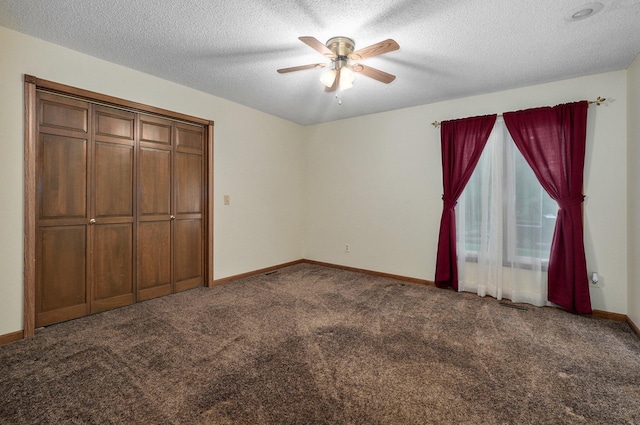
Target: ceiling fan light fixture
(328,77)
(347,74)
(346,78)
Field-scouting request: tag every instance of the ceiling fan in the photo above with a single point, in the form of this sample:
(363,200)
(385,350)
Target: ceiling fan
(344,61)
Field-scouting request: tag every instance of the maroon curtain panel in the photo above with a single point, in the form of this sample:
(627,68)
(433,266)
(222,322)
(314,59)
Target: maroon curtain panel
(552,140)
(462,144)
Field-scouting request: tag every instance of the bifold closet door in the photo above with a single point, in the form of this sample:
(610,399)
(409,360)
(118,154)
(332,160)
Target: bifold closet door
(112,206)
(155,214)
(170,207)
(62,213)
(85,238)
(189,202)
(120,206)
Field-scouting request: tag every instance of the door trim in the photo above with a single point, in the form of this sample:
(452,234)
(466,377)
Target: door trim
(29,208)
(111,101)
(31,85)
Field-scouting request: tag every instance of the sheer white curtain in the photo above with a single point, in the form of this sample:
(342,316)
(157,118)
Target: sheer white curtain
(505,223)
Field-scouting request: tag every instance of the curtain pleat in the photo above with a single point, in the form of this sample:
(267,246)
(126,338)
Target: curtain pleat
(552,140)
(462,143)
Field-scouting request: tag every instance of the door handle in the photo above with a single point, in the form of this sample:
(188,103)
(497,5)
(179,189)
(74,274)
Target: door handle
(173,217)
(92,221)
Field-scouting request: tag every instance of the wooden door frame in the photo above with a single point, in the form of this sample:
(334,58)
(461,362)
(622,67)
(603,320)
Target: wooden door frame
(31,85)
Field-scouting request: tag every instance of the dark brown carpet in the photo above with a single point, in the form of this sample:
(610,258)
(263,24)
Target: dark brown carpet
(315,345)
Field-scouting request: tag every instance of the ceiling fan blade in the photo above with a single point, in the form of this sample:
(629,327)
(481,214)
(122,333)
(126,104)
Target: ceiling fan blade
(302,67)
(385,46)
(334,87)
(314,43)
(374,73)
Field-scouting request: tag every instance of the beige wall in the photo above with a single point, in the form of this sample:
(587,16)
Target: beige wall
(375,183)
(633,193)
(256,162)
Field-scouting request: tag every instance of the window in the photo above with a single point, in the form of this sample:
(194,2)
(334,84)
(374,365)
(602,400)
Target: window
(504,184)
(504,221)
(535,214)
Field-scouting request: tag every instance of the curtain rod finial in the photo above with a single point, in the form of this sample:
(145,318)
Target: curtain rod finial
(436,123)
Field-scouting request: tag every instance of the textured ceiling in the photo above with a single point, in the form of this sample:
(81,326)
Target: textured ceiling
(448,48)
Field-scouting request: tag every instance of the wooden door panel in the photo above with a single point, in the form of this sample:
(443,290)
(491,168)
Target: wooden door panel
(114,123)
(189,192)
(154,191)
(113,266)
(113,208)
(62,170)
(155,163)
(56,112)
(154,259)
(62,177)
(155,130)
(188,254)
(188,183)
(189,138)
(61,277)
(113,174)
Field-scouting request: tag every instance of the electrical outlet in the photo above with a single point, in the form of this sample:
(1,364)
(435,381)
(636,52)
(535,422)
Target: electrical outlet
(346,248)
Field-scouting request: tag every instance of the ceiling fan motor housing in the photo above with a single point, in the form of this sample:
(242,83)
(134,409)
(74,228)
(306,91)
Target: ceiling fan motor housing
(341,46)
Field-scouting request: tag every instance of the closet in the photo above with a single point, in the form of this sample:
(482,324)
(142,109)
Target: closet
(121,203)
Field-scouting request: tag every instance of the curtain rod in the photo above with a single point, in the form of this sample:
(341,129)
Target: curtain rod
(599,101)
